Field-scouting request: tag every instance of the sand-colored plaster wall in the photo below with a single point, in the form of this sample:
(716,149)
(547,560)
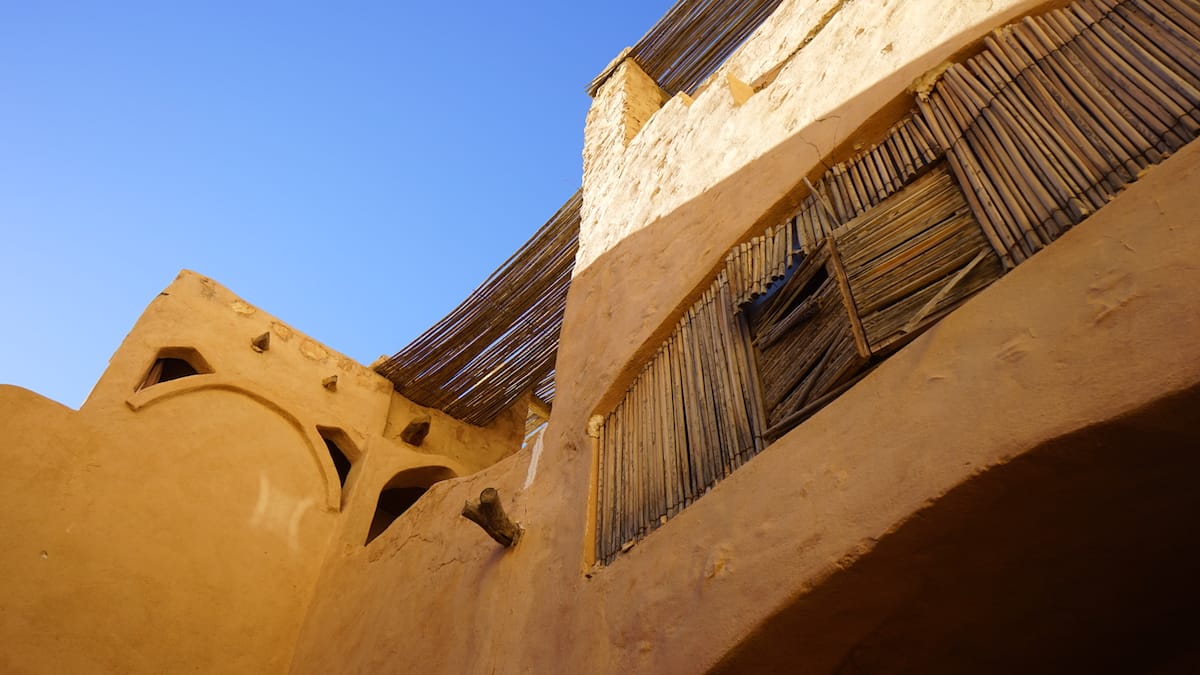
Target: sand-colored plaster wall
(1040,354)
(695,145)
(183,527)
(185,538)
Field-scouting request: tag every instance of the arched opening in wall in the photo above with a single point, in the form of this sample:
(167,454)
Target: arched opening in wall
(342,451)
(173,363)
(400,493)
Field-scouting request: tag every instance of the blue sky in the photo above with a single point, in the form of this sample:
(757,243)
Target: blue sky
(352,168)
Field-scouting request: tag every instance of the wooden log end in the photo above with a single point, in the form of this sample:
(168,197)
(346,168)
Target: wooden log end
(489,514)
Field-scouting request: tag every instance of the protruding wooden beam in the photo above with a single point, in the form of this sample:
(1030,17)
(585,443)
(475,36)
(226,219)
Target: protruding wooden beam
(489,515)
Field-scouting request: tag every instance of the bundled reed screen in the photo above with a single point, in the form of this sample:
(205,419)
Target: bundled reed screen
(502,341)
(690,418)
(754,266)
(805,340)
(1047,124)
(913,259)
(1061,111)
(848,189)
(1007,151)
(692,40)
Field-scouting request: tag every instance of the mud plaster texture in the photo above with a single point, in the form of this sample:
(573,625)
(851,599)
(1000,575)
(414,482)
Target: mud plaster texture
(182,528)
(196,525)
(1030,366)
(820,68)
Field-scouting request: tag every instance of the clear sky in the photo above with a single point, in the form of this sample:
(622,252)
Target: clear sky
(353,168)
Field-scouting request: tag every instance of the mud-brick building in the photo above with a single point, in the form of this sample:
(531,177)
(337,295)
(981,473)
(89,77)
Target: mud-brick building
(869,345)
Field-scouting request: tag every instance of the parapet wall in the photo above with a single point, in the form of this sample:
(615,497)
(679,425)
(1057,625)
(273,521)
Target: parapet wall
(179,522)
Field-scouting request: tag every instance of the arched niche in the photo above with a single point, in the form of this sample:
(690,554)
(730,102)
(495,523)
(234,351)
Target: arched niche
(400,493)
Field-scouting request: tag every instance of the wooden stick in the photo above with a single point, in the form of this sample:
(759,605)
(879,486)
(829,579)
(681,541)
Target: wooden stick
(1103,133)
(600,550)
(1011,165)
(820,198)
(839,272)
(1019,217)
(685,458)
(1025,120)
(779,428)
(915,322)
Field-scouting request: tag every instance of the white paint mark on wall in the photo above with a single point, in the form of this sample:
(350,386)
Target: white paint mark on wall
(279,512)
(533,462)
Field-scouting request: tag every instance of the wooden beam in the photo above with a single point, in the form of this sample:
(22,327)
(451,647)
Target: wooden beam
(839,272)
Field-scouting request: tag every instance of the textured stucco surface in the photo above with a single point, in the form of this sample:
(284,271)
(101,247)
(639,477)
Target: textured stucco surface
(194,527)
(1042,354)
(182,528)
(694,145)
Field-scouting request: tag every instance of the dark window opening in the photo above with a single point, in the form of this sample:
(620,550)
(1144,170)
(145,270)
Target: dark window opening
(340,461)
(174,364)
(342,451)
(401,493)
(173,369)
(784,296)
(392,503)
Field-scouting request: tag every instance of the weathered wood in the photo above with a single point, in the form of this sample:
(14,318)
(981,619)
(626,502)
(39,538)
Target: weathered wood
(683,442)
(693,39)
(927,308)
(603,492)
(1052,118)
(839,273)
(488,352)
(489,514)
(782,426)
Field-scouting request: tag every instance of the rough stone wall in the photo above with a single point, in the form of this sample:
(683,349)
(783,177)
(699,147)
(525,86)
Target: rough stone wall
(806,61)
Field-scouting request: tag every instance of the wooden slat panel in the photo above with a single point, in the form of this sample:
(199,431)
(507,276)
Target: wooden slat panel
(1054,117)
(904,252)
(1061,111)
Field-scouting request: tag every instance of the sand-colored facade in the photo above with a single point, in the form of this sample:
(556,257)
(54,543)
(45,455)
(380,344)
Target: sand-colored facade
(182,527)
(1009,492)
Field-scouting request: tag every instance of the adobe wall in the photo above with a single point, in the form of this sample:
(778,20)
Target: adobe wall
(212,506)
(183,527)
(1043,354)
(809,77)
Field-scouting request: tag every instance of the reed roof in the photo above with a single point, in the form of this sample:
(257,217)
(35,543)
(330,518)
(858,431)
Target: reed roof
(501,342)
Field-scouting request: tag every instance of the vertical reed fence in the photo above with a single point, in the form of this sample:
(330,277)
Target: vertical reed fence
(690,418)
(1008,150)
